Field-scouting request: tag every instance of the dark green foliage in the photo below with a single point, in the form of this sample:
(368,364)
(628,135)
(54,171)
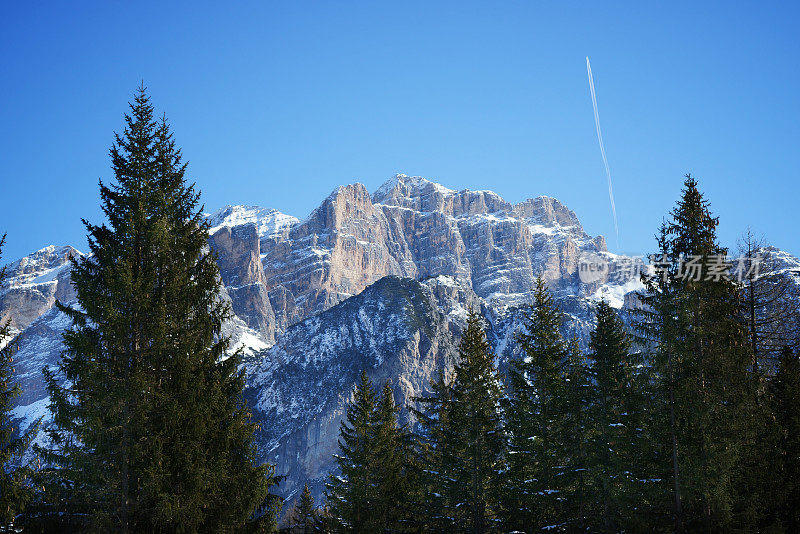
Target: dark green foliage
(538,406)
(474,450)
(619,452)
(371,492)
(463,445)
(575,418)
(432,416)
(785,389)
(700,357)
(150,428)
(304,518)
(397,479)
(349,494)
(15,479)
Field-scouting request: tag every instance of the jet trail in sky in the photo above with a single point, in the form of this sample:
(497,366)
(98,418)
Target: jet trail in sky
(602,148)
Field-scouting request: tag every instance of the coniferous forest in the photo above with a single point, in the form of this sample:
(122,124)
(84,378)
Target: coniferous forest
(681,416)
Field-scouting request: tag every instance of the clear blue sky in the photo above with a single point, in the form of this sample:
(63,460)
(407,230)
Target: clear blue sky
(275,104)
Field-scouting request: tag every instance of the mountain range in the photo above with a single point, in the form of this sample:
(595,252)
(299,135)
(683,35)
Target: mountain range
(380,281)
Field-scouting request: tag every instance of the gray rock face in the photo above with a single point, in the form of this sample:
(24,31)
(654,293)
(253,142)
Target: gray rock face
(34,283)
(343,246)
(397,329)
(409,227)
(239,259)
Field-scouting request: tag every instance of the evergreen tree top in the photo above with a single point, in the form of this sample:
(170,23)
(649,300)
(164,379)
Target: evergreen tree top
(542,342)
(693,228)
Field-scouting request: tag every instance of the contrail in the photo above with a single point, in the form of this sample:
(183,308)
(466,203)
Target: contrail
(602,148)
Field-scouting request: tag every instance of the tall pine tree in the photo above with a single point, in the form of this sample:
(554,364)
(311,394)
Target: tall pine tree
(373,491)
(351,494)
(433,429)
(464,447)
(16,487)
(617,434)
(575,415)
(692,322)
(304,518)
(150,428)
(537,420)
(474,453)
(785,388)
(397,479)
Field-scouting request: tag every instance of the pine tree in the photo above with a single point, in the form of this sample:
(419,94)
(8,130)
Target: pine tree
(537,411)
(304,516)
(350,494)
(463,442)
(397,487)
(616,437)
(150,428)
(692,323)
(433,428)
(577,430)
(474,452)
(376,488)
(16,487)
(785,388)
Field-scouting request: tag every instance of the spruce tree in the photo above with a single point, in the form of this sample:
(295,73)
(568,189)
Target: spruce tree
(350,494)
(151,431)
(616,437)
(304,516)
(433,430)
(376,487)
(473,454)
(16,487)
(537,415)
(692,323)
(577,430)
(462,443)
(397,487)
(785,389)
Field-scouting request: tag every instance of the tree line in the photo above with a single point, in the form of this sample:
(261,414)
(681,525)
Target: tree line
(684,418)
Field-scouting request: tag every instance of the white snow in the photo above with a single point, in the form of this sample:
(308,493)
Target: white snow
(268,222)
(41,267)
(250,343)
(614,294)
(29,413)
(412,182)
(536,228)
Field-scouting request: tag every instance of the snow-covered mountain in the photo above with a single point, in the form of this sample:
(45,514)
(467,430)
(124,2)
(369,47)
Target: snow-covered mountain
(380,282)
(279,270)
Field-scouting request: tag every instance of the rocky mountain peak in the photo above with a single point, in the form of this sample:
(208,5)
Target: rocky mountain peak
(547,211)
(345,203)
(34,283)
(269,223)
(32,267)
(422,195)
(413,192)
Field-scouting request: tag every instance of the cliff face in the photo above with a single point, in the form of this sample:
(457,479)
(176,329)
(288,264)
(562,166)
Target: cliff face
(409,227)
(397,329)
(34,283)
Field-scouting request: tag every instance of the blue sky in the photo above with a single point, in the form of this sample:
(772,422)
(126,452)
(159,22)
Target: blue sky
(275,104)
